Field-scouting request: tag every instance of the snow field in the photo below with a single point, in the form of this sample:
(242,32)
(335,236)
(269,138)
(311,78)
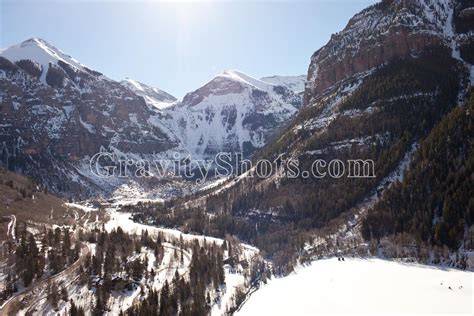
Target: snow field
(365,286)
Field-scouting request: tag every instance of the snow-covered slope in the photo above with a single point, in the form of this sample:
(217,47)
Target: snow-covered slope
(370,286)
(153,96)
(295,83)
(232,112)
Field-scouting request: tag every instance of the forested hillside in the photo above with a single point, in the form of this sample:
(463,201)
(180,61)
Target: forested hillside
(435,202)
(390,110)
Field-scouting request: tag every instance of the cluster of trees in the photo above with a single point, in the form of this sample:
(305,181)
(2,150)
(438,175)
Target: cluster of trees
(27,261)
(26,189)
(467,51)
(191,296)
(281,240)
(407,76)
(435,201)
(56,294)
(207,267)
(60,249)
(111,267)
(76,310)
(120,263)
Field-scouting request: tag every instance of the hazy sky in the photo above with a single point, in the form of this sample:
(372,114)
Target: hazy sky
(178,46)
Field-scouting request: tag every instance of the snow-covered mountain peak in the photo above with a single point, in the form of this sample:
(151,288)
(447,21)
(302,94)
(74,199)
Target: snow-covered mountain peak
(133,83)
(232,112)
(245,79)
(42,53)
(295,83)
(154,97)
(235,84)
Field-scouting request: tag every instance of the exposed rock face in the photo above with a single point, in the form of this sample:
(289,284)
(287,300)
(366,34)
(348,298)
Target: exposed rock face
(378,34)
(232,113)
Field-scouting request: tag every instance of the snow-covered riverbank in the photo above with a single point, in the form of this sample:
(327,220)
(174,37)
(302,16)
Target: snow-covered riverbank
(365,286)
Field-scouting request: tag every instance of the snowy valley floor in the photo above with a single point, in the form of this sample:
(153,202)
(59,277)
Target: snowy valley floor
(365,286)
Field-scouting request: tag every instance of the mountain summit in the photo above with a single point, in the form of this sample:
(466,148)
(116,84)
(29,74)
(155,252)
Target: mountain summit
(233,112)
(42,54)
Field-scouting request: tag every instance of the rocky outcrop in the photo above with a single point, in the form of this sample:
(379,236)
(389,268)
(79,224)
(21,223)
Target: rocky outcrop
(378,34)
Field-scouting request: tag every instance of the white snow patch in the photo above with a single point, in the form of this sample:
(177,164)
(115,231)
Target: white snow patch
(12,226)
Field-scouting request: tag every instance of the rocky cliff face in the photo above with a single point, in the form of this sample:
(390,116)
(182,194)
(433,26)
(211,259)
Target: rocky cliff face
(382,32)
